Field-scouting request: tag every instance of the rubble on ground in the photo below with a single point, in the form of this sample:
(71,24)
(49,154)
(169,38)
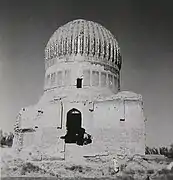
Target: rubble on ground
(135,167)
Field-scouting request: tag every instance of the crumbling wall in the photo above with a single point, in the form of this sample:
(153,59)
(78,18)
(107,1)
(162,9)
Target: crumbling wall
(40,128)
(115,125)
(107,130)
(18,136)
(51,145)
(51,116)
(135,123)
(119,126)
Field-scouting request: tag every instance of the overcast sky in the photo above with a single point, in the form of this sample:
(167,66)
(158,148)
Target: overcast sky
(144,30)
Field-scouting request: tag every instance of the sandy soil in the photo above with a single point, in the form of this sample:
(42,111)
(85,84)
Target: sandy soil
(136,167)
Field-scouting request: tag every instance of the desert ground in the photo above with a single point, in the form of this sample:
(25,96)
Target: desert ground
(99,167)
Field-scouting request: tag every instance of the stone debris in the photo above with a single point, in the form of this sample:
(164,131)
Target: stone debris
(100,166)
(116,165)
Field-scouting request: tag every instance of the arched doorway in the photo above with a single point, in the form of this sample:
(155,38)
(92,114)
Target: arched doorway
(74,120)
(75,133)
(73,126)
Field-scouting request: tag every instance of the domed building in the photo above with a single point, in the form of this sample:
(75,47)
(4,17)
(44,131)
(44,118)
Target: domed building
(82,110)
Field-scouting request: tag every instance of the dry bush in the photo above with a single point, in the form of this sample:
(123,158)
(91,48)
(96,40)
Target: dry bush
(150,171)
(166,151)
(6,139)
(29,167)
(75,168)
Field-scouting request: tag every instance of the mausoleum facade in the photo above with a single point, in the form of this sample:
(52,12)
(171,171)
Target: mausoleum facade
(82,107)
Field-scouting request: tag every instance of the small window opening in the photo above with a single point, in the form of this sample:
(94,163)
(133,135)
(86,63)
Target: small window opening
(79,82)
(40,111)
(122,119)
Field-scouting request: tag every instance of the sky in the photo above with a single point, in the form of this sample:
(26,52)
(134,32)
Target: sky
(142,28)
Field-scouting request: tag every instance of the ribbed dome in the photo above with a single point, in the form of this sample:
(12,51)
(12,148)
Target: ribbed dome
(86,38)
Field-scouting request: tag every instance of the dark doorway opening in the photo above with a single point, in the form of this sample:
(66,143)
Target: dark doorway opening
(74,120)
(75,133)
(79,83)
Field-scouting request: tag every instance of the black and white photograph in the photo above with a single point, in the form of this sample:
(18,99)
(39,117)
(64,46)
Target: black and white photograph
(86,89)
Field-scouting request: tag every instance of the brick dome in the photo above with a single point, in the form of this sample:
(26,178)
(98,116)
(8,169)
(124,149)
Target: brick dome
(85,38)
